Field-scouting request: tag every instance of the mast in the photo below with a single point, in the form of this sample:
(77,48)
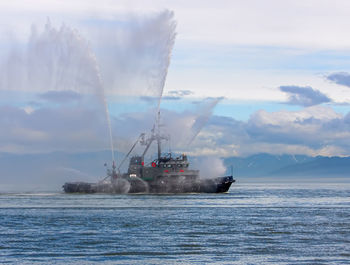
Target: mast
(155,136)
(158,136)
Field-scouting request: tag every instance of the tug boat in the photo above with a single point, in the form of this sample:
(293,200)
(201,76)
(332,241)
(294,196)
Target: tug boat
(165,174)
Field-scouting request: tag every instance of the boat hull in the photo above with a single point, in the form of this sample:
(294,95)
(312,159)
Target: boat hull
(161,185)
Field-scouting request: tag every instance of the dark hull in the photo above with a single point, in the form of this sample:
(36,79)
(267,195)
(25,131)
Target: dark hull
(162,185)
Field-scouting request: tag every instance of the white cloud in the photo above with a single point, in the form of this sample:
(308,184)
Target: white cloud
(281,118)
(52,129)
(312,23)
(312,131)
(315,130)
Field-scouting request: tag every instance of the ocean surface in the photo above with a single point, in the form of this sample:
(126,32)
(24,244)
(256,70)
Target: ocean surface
(255,223)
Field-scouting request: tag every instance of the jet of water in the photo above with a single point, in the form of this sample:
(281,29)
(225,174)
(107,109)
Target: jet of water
(165,54)
(56,59)
(204,111)
(105,104)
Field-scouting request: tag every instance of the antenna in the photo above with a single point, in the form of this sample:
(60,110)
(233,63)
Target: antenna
(169,143)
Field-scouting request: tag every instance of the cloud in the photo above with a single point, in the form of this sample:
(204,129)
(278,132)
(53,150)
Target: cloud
(180,93)
(177,94)
(116,35)
(52,129)
(171,95)
(83,127)
(306,127)
(60,96)
(152,100)
(340,78)
(259,22)
(315,130)
(304,96)
(181,126)
(171,98)
(148,99)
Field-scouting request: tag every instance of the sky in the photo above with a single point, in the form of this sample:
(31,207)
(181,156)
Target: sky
(240,77)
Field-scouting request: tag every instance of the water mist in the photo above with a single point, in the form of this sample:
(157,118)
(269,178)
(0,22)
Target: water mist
(55,59)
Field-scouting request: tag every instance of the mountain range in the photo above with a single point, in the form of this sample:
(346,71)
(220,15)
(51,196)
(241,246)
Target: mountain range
(282,166)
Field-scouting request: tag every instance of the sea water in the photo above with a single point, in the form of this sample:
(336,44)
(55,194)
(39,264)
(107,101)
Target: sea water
(255,223)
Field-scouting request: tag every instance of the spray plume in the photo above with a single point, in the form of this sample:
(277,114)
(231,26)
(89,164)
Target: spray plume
(210,166)
(55,60)
(159,77)
(105,104)
(130,61)
(205,111)
(134,60)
